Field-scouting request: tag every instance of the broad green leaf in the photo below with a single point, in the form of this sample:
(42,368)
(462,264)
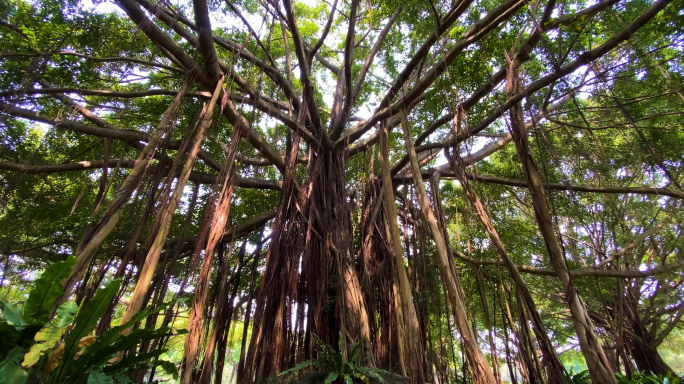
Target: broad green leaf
(10,368)
(114,334)
(49,335)
(12,373)
(168,367)
(45,290)
(12,314)
(331,377)
(99,378)
(297,367)
(100,356)
(87,317)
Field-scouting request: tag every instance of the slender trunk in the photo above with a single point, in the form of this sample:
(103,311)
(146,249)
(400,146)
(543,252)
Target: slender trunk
(219,216)
(248,311)
(130,248)
(226,323)
(511,370)
(488,323)
(265,343)
(597,363)
(534,371)
(553,365)
(110,218)
(221,301)
(481,370)
(413,351)
(152,258)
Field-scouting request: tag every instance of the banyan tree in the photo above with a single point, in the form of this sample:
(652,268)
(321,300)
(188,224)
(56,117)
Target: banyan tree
(464,190)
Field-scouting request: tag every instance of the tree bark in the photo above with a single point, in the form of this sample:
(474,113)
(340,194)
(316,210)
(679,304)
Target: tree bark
(597,363)
(152,258)
(414,354)
(481,370)
(554,367)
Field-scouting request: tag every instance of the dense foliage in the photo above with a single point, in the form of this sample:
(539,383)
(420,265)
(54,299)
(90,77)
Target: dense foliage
(450,191)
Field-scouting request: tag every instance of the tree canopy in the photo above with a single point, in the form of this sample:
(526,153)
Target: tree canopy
(460,191)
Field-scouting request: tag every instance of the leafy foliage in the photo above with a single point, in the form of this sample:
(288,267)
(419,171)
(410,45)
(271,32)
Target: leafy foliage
(38,354)
(340,370)
(645,378)
(581,377)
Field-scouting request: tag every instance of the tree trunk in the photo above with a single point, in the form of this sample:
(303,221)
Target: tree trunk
(414,354)
(481,370)
(248,311)
(152,258)
(219,216)
(639,342)
(554,367)
(596,360)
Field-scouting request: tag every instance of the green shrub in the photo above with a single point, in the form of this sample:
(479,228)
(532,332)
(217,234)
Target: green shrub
(647,378)
(340,370)
(62,350)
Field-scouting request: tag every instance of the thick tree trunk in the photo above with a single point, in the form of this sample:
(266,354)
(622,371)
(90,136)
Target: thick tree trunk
(647,358)
(481,370)
(596,360)
(312,231)
(640,342)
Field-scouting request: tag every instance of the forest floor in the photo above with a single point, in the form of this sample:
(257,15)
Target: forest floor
(318,377)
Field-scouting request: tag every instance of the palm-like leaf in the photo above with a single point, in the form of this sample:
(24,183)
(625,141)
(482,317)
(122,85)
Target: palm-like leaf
(45,290)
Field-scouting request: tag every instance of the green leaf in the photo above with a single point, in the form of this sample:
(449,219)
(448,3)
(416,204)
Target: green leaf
(355,350)
(65,314)
(8,335)
(49,335)
(101,356)
(331,377)
(340,347)
(10,369)
(297,367)
(372,372)
(114,333)
(87,317)
(99,378)
(132,361)
(337,361)
(168,367)
(45,290)
(12,314)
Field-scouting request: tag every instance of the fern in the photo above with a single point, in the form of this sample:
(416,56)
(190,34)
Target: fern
(81,357)
(340,370)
